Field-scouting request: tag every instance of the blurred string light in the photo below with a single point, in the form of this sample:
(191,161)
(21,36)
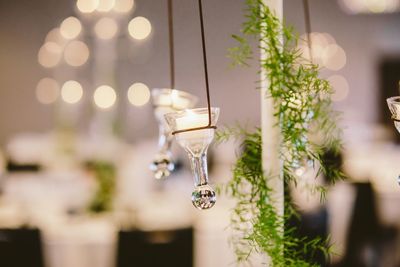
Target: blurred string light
(76,53)
(340,87)
(370,6)
(106,28)
(138,94)
(104,97)
(139,28)
(87,6)
(105,5)
(71,92)
(119,6)
(49,54)
(47,91)
(70,28)
(327,54)
(123,6)
(325,51)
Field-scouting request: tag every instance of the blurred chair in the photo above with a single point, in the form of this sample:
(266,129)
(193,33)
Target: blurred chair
(369,243)
(26,167)
(20,248)
(153,249)
(309,226)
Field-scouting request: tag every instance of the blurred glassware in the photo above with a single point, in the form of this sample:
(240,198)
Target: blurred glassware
(167,101)
(195,143)
(394,107)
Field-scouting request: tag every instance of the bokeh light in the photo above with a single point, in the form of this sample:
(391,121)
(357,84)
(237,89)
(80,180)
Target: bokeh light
(139,28)
(106,28)
(325,51)
(376,6)
(71,92)
(105,97)
(70,28)
(49,54)
(370,6)
(47,91)
(76,53)
(334,57)
(123,6)
(328,38)
(55,36)
(340,86)
(105,5)
(87,6)
(138,94)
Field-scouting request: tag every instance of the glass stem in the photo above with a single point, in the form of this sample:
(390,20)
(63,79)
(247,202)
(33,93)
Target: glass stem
(164,140)
(199,168)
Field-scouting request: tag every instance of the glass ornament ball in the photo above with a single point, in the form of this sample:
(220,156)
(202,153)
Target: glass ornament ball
(162,168)
(203,197)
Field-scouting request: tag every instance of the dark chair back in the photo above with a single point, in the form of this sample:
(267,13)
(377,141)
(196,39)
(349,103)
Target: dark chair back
(20,248)
(369,243)
(154,249)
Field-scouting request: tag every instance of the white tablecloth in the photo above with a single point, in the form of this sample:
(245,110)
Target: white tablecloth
(69,240)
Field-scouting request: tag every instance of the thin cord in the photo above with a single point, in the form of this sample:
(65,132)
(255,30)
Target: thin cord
(171,44)
(307,19)
(203,41)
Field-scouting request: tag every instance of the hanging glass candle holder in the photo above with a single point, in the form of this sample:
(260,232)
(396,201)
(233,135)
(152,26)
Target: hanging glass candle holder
(394,107)
(194,133)
(167,101)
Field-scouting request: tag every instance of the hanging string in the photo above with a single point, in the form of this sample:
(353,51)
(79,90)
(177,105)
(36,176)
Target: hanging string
(203,43)
(171,44)
(307,19)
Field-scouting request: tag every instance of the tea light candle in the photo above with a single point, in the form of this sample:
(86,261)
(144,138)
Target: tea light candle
(173,100)
(170,102)
(193,120)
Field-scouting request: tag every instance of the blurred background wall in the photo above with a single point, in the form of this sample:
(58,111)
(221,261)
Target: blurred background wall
(366,39)
(24,25)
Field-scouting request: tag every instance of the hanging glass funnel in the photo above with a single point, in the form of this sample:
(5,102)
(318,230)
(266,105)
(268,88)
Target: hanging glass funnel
(196,143)
(394,107)
(167,101)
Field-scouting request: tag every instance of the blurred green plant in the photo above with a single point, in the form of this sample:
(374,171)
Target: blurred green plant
(105,175)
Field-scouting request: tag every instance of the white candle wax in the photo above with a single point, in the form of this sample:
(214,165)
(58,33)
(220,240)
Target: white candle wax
(174,100)
(193,120)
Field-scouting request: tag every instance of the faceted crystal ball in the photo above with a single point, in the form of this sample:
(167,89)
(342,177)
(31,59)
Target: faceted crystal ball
(203,197)
(162,168)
